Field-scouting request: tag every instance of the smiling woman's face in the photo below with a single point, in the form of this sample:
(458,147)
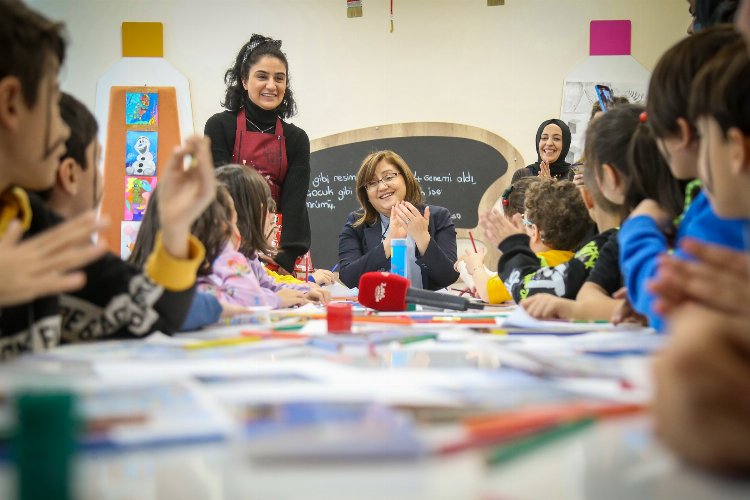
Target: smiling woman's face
(385,195)
(266,82)
(551,143)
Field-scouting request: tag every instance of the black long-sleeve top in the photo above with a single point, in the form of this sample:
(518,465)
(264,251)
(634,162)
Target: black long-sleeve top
(118,300)
(524,275)
(295,236)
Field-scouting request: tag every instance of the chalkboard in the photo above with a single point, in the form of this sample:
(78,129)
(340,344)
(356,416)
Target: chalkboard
(453,172)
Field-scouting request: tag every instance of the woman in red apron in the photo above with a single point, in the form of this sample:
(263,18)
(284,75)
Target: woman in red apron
(252,132)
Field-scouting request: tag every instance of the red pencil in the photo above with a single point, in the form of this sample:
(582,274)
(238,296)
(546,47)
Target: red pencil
(471,237)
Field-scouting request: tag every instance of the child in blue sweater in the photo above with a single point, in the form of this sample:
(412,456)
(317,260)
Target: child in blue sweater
(643,236)
(703,378)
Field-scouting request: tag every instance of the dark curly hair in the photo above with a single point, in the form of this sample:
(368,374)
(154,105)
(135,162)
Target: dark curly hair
(253,51)
(514,196)
(557,209)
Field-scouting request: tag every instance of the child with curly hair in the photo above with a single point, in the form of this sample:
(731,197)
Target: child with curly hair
(554,224)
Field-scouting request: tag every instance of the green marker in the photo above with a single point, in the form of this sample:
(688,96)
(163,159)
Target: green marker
(418,338)
(524,445)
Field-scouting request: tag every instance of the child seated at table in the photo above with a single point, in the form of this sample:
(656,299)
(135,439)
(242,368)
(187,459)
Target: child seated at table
(554,224)
(623,168)
(251,211)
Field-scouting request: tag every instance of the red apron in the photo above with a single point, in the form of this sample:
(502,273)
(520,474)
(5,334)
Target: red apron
(265,153)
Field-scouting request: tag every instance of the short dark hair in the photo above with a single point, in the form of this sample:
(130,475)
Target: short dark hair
(722,90)
(557,209)
(83,128)
(669,89)
(514,196)
(28,40)
(212,228)
(250,53)
(252,199)
(365,174)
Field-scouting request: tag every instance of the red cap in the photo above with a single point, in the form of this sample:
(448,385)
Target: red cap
(339,317)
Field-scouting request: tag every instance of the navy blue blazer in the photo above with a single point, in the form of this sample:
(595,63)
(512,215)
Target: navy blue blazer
(361,250)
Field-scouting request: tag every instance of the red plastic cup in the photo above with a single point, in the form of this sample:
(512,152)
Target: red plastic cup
(339,316)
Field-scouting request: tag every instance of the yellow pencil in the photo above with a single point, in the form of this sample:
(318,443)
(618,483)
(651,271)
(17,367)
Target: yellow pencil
(207,344)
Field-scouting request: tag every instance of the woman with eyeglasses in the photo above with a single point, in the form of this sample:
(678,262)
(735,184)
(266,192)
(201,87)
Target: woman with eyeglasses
(253,131)
(391,206)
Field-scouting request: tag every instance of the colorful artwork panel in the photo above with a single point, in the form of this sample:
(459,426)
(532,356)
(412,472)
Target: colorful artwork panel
(138,191)
(128,235)
(142,108)
(141,152)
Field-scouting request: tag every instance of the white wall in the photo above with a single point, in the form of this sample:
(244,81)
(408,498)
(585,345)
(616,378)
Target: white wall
(499,68)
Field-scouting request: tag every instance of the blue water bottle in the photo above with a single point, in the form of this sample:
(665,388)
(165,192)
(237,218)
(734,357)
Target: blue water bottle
(398,256)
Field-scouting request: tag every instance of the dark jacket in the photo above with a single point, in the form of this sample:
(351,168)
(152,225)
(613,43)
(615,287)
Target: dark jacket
(361,250)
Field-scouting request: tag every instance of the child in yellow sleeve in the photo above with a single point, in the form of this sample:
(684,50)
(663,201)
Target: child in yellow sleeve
(554,224)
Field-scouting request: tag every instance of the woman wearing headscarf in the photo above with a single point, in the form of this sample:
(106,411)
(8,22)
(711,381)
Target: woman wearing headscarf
(552,146)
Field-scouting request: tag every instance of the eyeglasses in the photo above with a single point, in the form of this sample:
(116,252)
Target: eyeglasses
(387,180)
(526,222)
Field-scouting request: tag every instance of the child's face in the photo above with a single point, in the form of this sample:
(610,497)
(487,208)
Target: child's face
(39,137)
(717,157)
(270,227)
(236,238)
(89,180)
(681,159)
(610,184)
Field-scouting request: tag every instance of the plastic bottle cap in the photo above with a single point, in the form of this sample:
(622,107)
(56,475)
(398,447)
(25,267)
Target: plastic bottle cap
(339,317)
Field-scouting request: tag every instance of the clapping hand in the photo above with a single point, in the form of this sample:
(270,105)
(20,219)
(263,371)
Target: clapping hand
(544,170)
(497,227)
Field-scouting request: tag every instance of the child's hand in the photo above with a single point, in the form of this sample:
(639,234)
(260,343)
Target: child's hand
(701,408)
(473,259)
(228,310)
(652,209)
(186,193)
(578,179)
(546,306)
(717,278)
(318,295)
(289,297)
(624,312)
(47,263)
(497,227)
(323,277)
